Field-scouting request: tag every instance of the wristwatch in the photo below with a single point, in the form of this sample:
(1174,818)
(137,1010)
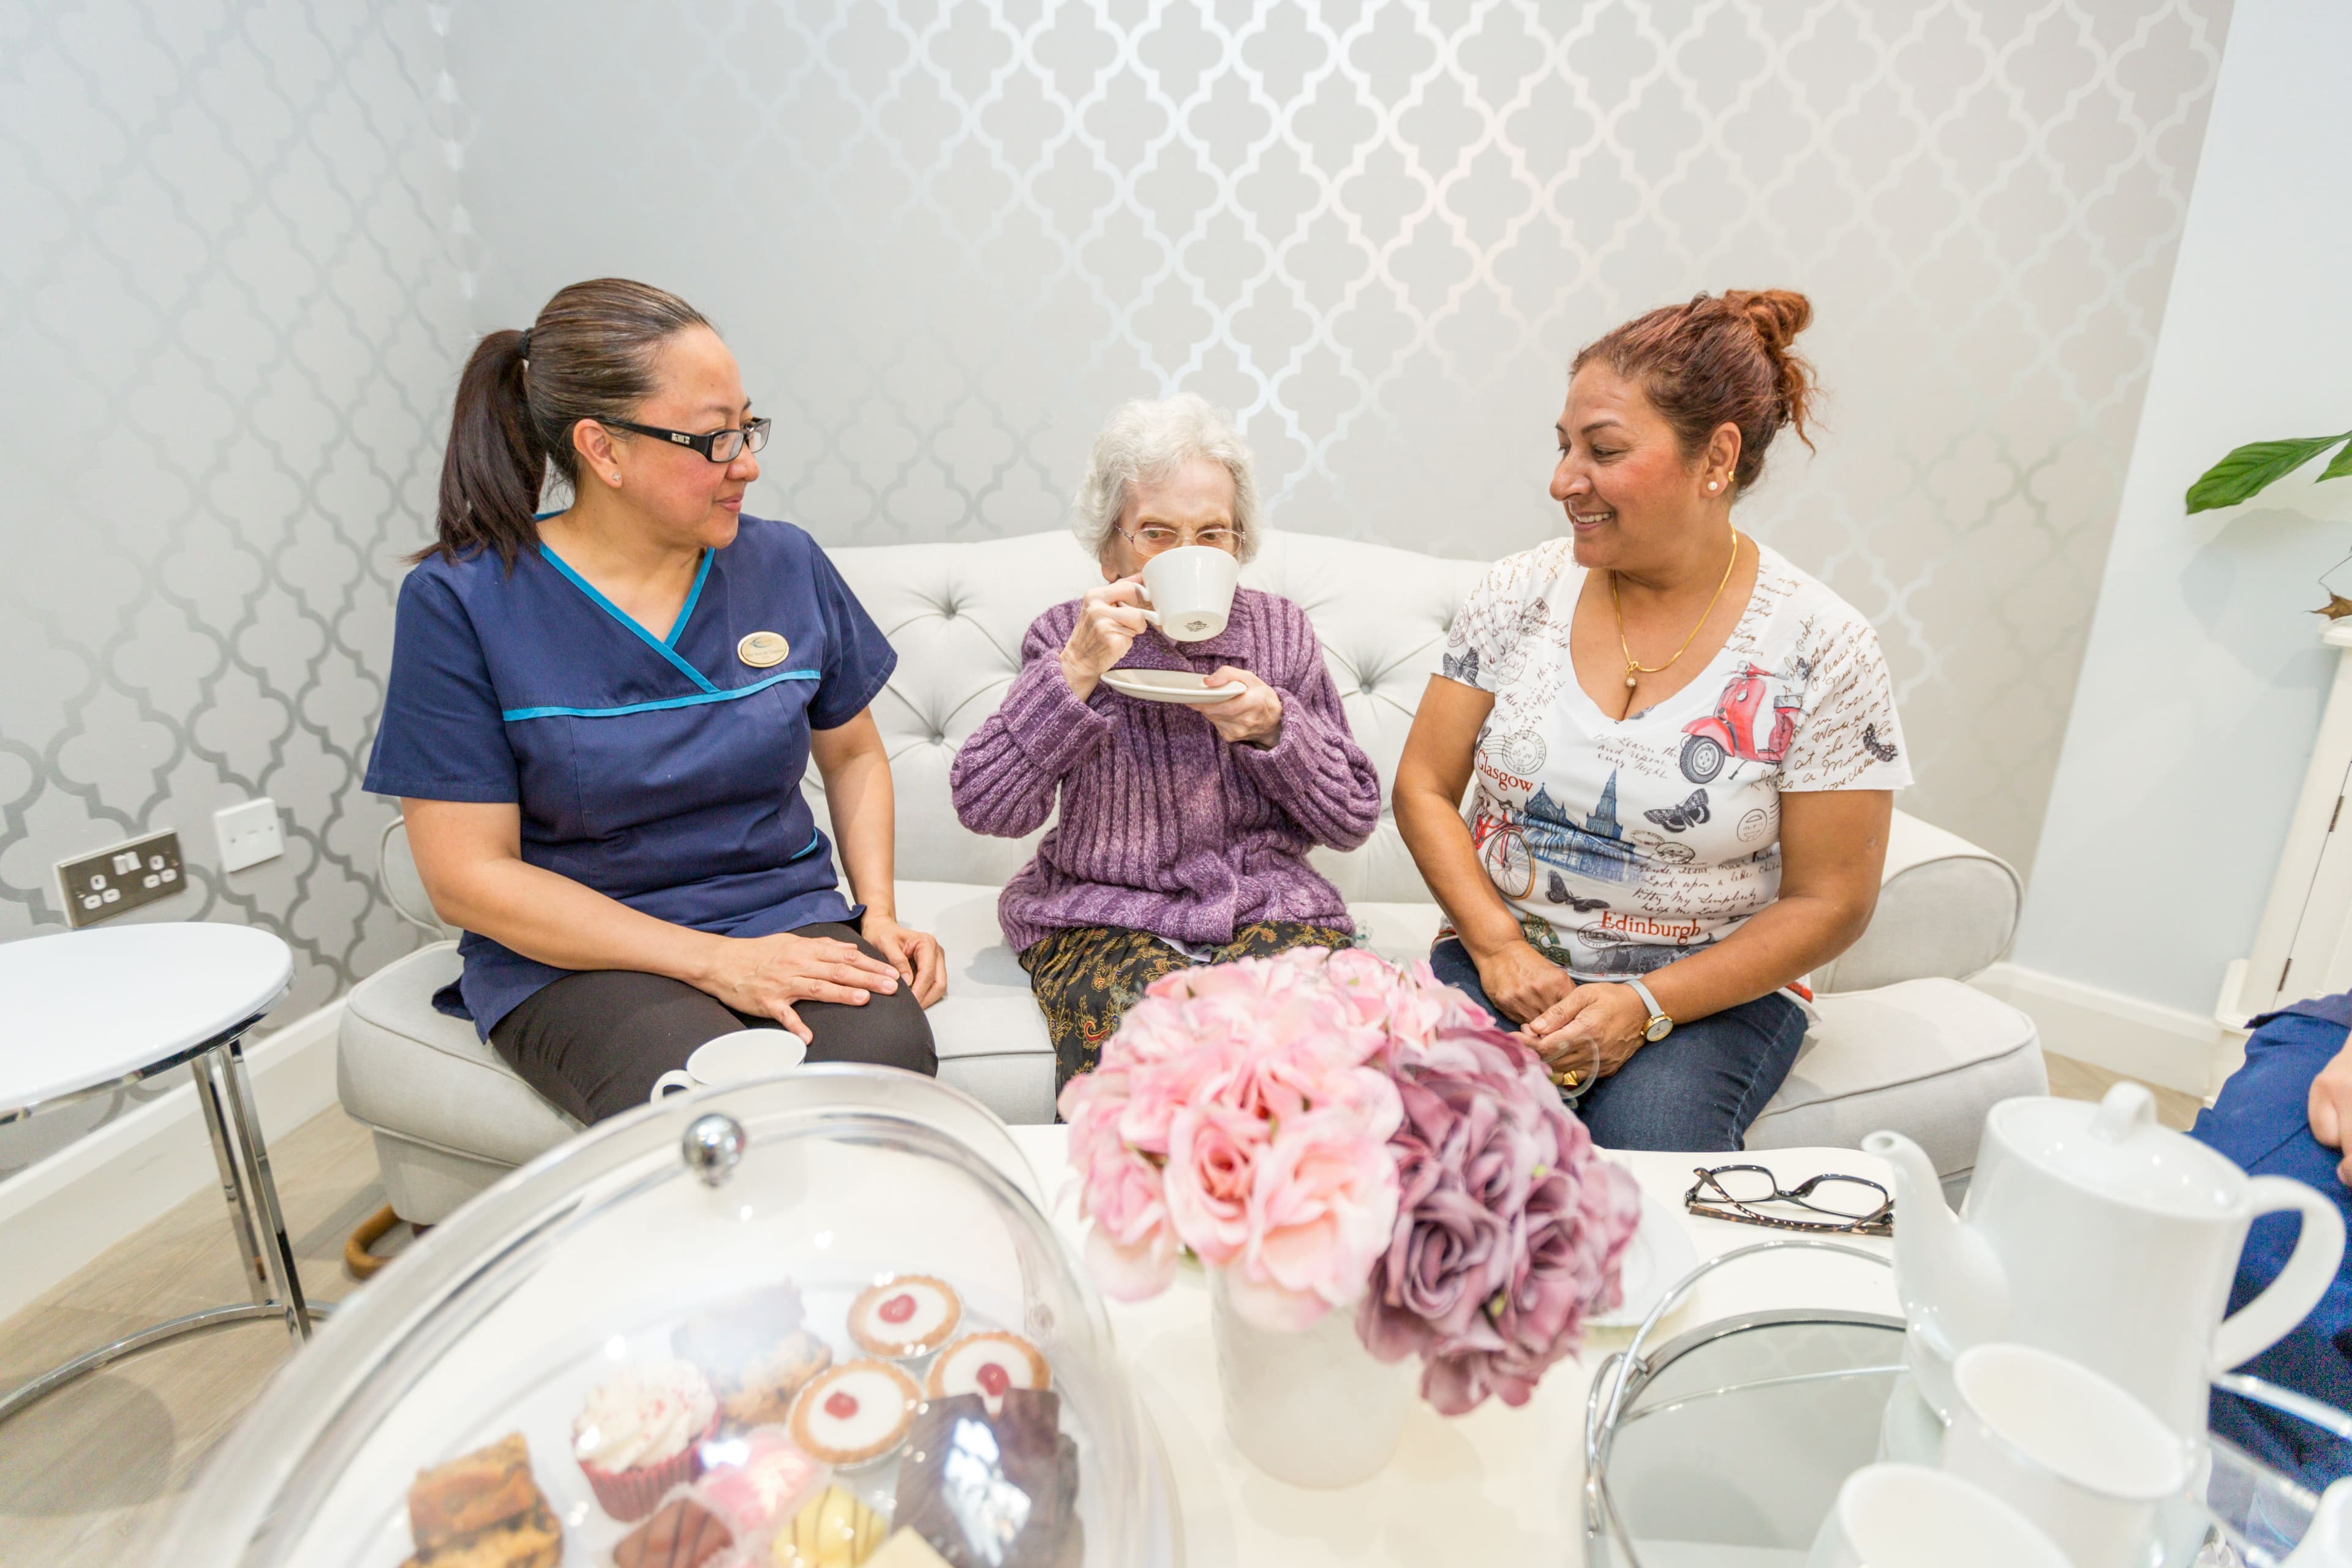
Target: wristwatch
(1659,1025)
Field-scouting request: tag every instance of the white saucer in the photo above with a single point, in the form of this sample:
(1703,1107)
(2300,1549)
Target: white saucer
(1656,1259)
(1169,686)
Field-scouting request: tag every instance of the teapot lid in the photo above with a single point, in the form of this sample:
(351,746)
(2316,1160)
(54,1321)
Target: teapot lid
(2117,1149)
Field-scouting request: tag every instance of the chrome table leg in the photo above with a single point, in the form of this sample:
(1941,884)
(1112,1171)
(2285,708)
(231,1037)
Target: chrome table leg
(240,1218)
(257,1193)
(225,1092)
(105,1356)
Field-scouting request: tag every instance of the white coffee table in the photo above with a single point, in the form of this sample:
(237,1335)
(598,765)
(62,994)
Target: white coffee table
(95,1010)
(1498,1486)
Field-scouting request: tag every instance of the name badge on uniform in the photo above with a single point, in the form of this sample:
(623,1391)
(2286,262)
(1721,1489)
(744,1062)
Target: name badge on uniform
(760,649)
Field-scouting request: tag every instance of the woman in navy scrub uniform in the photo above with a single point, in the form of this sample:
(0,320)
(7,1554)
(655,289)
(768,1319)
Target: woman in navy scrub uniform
(598,720)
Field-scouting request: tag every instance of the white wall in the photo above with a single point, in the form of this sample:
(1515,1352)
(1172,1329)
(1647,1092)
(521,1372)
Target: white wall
(2200,691)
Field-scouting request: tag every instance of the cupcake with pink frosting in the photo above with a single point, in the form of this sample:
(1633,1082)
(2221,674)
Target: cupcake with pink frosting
(641,1432)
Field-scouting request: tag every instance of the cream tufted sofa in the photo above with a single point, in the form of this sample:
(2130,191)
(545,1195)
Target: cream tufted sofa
(1901,1042)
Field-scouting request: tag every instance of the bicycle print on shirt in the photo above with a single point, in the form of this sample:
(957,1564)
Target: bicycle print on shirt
(1624,845)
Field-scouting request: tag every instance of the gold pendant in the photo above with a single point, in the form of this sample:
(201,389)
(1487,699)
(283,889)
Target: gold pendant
(760,649)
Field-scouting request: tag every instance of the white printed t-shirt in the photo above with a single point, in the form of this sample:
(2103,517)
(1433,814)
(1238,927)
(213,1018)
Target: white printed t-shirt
(1626,845)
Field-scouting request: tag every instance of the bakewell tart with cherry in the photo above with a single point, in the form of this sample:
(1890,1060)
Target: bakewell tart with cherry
(987,1363)
(855,1413)
(906,1316)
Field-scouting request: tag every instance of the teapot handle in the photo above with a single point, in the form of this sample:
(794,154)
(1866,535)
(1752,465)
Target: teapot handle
(2310,1270)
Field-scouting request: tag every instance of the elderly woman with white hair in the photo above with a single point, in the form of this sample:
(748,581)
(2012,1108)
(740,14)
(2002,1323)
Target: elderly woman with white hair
(1184,829)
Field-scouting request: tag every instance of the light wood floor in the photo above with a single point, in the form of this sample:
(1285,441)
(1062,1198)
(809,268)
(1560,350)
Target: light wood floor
(2071,1080)
(89,1475)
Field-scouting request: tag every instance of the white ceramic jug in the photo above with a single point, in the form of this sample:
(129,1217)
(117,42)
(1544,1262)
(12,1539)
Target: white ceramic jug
(2093,1232)
(2329,1542)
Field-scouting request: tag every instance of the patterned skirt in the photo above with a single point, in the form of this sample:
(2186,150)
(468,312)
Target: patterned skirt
(1087,977)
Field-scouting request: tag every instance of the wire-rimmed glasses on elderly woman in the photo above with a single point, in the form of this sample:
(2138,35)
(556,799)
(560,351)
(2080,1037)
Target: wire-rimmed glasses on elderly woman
(718,445)
(1832,1204)
(1152,538)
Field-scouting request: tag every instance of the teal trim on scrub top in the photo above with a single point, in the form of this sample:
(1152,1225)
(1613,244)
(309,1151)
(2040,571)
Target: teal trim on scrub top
(651,641)
(687,609)
(513,714)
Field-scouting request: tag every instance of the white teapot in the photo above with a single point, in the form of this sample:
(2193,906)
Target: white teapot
(2329,1542)
(2093,1232)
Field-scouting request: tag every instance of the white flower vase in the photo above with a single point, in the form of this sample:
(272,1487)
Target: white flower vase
(1313,1409)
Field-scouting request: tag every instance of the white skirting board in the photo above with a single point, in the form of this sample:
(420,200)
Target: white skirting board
(2171,1046)
(57,1215)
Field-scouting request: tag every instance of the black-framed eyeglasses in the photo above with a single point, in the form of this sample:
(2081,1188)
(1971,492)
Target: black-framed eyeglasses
(718,445)
(1847,1205)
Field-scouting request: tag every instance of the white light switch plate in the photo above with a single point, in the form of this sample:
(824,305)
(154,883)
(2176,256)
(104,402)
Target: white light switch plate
(248,834)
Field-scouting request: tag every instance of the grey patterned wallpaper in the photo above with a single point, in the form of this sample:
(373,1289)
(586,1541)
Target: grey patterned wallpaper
(944,238)
(228,315)
(246,244)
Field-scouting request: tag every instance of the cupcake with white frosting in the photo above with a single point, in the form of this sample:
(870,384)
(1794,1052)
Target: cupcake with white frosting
(641,1432)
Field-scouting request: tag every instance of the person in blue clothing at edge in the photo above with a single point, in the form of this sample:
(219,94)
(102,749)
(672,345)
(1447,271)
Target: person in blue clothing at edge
(598,720)
(2288,1112)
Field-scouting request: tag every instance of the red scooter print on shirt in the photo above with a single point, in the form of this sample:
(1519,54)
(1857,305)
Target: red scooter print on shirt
(1730,729)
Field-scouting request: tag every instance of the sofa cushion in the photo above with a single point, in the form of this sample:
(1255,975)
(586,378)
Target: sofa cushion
(401,1065)
(1926,1058)
(988,1010)
(1945,908)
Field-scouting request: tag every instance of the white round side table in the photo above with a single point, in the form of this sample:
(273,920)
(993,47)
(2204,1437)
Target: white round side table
(91,1011)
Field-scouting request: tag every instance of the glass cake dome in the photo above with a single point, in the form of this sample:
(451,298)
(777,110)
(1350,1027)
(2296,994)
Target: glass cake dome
(802,1322)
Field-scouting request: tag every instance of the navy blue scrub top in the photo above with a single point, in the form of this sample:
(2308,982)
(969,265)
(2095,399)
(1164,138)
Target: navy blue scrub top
(663,771)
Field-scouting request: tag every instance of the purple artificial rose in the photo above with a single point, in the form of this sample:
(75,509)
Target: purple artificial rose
(1510,1228)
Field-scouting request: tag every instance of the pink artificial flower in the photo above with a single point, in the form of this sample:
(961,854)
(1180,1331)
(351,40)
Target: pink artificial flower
(1164,1086)
(1508,1227)
(1320,1210)
(1131,1248)
(1212,1155)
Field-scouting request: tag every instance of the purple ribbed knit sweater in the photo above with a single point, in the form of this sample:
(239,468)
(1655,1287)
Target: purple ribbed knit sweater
(1165,827)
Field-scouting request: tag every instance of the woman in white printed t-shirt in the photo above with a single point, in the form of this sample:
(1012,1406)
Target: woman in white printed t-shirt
(1685,748)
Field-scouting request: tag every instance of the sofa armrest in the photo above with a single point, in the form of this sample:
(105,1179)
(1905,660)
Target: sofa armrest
(1945,908)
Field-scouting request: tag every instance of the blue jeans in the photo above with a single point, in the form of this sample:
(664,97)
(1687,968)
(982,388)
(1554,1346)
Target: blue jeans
(2261,1121)
(1696,1090)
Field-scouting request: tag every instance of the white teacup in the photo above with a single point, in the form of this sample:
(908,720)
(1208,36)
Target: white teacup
(733,1058)
(1908,1516)
(2079,1456)
(1191,591)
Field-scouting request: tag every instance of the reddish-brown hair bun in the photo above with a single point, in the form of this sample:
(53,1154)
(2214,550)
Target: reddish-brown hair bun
(1716,360)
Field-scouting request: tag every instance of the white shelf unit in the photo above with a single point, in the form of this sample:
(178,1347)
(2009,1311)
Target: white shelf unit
(2304,945)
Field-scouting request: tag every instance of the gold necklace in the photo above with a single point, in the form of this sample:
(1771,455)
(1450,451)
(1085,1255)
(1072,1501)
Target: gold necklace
(1634,671)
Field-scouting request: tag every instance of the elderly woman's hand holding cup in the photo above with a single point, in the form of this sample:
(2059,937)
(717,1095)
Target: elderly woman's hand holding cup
(1110,620)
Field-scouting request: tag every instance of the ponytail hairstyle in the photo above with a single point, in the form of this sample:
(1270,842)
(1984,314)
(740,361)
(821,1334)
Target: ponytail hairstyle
(1719,361)
(590,355)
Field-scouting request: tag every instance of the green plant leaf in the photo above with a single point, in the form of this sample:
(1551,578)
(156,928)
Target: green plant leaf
(2245,471)
(2341,467)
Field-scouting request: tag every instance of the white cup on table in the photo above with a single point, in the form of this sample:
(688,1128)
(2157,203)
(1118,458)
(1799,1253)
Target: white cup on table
(1191,591)
(1908,1516)
(733,1058)
(2082,1458)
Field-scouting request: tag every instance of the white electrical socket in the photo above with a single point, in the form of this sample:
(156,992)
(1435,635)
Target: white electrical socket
(248,834)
